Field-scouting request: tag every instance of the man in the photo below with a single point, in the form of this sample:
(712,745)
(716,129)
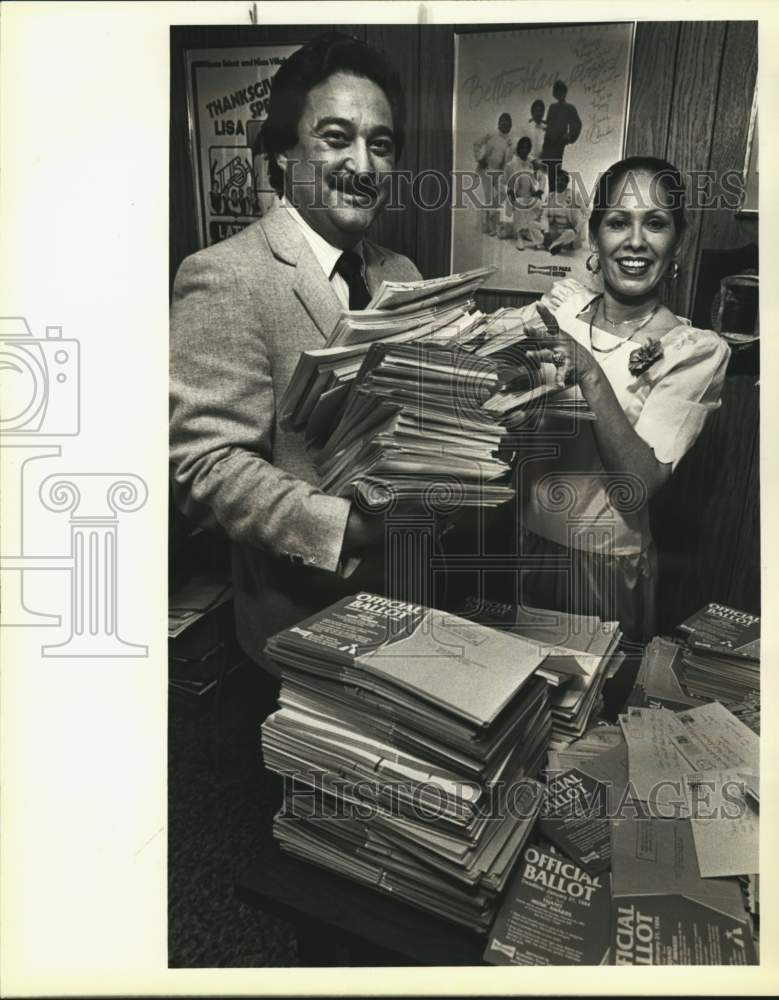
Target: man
(243,311)
(492,152)
(563,127)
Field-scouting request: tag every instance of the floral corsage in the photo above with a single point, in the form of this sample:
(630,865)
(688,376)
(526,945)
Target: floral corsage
(644,357)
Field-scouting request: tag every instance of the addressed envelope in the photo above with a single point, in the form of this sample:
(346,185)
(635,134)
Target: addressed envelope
(656,768)
(712,738)
(725,825)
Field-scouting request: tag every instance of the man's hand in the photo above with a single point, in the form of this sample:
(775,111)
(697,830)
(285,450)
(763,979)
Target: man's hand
(363,531)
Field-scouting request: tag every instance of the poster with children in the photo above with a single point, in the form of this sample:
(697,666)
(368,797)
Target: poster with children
(227,94)
(539,114)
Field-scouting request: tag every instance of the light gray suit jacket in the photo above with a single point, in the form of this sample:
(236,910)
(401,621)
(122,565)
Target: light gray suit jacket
(242,312)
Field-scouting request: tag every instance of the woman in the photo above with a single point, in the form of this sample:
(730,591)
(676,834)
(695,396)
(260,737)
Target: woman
(650,380)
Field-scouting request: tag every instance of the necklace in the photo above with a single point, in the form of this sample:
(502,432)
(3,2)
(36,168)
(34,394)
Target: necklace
(644,320)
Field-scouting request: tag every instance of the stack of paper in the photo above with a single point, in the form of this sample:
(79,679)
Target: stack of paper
(420,733)
(722,658)
(532,390)
(429,329)
(439,310)
(200,645)
(581,653)
(404,295)
(748,711)
(413,421)
(192,602)
(660,682)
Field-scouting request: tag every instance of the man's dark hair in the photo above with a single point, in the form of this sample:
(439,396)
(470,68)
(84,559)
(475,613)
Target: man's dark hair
(311,65)
(559,88)
(664,175)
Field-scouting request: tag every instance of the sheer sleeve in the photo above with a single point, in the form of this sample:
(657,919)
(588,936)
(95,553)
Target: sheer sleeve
(685,388)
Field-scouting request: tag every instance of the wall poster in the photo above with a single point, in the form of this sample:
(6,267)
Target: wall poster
(539,114)
(227,99)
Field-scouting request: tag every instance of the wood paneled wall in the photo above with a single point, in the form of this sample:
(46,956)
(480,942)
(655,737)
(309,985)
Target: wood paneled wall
(690,102)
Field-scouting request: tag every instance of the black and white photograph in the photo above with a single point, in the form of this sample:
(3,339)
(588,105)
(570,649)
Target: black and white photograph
(387,544)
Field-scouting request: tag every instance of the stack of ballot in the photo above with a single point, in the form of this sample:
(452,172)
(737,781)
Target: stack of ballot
(660,682)
(416,736)
(399,312)
(459,378)
(721,661)
(581,654)
(414,420)
(531,389)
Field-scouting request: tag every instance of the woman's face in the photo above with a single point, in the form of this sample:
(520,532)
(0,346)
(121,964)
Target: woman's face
(637,239)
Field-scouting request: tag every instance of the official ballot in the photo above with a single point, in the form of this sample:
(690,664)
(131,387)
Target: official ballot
(724,631)
(553,913)
(392,648)
(579,802)
(663,912)
(721,660)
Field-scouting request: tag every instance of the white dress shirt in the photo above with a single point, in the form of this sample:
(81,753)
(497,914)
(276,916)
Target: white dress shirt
(325,253)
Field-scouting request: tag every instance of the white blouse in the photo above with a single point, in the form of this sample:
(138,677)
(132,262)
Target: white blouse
(571,498)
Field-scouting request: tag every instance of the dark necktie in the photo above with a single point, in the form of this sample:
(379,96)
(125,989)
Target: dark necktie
(349,266)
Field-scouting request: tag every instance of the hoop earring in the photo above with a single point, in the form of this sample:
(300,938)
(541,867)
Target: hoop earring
(673,273)
(593,263)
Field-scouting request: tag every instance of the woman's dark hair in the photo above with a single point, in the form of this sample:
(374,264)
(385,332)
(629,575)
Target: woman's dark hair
(668,186)
(312,64)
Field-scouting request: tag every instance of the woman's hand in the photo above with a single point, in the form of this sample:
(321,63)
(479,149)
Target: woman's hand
(574,361)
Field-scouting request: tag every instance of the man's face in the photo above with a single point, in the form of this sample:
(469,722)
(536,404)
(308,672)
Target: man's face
(345,147)
(559,91)
(523,148)
(537,112)
(504,124)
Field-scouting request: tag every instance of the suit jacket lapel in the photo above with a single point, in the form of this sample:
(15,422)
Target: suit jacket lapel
(373,256)
(310,284)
